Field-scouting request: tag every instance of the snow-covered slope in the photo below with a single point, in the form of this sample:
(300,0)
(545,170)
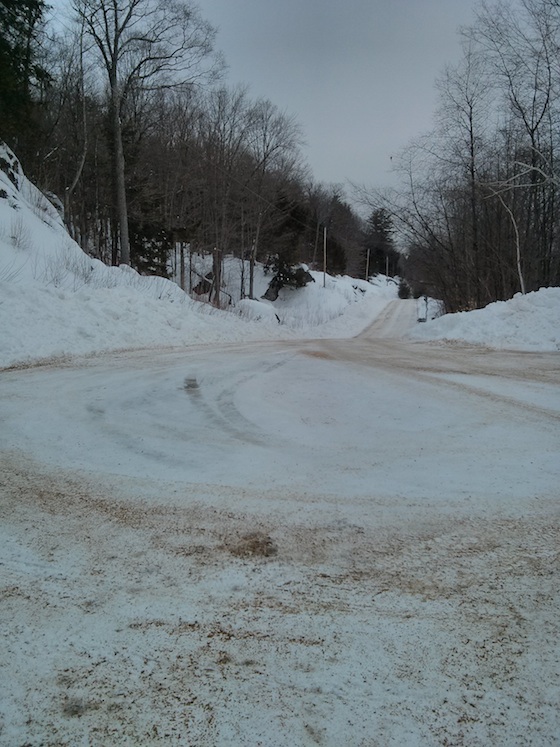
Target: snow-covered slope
(57,301)
(525,322)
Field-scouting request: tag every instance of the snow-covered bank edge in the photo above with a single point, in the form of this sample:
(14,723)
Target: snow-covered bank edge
(40,323)
(526,322)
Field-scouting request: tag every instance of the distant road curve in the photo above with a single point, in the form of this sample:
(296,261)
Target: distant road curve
(398,317)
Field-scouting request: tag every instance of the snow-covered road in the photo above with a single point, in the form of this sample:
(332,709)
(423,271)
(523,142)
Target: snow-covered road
(287,543)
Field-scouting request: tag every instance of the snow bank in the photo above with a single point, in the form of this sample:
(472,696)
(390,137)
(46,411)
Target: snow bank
(322,304)
(525,322)
(50,322)
(57,301)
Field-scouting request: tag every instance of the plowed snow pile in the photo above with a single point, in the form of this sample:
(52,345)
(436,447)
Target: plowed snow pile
(525,322)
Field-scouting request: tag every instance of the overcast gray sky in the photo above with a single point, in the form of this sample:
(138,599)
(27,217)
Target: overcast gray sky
(358,74)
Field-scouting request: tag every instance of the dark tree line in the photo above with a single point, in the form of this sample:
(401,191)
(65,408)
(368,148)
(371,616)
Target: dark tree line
(478,210)
(24,77)
(125,119)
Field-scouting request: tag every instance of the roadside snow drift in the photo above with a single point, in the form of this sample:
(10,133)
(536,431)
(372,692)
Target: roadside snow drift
(525,322)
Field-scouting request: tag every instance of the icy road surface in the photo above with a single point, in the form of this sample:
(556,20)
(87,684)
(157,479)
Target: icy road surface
(335,542)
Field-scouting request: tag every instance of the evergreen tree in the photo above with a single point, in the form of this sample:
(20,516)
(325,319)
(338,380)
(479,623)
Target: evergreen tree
(379,244)
(286,236)
(150,247)
(20,72)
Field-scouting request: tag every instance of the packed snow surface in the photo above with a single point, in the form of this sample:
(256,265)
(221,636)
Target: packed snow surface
(282,524)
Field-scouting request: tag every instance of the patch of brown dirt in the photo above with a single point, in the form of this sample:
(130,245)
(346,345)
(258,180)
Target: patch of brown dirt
(318,354)
(253,544)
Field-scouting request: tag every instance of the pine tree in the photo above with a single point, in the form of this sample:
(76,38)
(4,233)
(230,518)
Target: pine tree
(379,245)
(21,75)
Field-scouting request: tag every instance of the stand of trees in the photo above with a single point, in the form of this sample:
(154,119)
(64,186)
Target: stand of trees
(126,120)
(478,209)
(23,75)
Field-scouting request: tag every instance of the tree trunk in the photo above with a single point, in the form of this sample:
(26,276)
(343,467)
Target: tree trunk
(122,210)
(70,190)
(217,272)
(182,260)
(474,211)
(252,259)
(190,268)
(252,272)
(517,245)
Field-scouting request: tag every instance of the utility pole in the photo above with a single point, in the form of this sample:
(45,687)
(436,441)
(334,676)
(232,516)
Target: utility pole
(324,256)
(367,264)
(314,262)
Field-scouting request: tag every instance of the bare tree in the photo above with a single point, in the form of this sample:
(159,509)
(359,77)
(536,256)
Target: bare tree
(274,144)
(143,44)
(478,206)
(464,119)
(224,130)
(523,49)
